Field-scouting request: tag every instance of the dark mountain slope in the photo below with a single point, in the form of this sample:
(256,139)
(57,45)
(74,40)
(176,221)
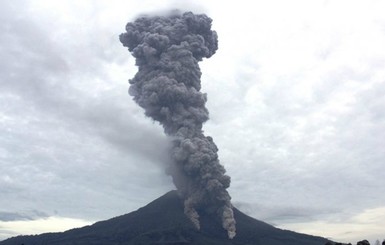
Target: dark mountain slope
(163,222)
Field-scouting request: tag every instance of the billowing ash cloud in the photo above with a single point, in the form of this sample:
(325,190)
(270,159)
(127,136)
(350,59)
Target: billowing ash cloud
(167,86)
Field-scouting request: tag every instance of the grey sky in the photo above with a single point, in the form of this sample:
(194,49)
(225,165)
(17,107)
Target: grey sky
(295,94)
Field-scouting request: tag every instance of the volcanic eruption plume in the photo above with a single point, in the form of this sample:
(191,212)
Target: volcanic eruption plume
(167,85)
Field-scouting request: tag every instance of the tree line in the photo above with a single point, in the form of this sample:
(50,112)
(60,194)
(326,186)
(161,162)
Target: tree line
(363,242)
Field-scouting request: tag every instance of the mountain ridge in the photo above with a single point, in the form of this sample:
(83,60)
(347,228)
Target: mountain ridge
(162,221)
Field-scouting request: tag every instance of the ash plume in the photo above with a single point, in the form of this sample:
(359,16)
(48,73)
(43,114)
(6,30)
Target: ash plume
(167,85)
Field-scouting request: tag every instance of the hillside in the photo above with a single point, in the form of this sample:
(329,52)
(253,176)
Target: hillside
(163,222)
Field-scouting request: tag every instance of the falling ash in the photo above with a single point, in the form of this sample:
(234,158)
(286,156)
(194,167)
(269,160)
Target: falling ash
(167,86)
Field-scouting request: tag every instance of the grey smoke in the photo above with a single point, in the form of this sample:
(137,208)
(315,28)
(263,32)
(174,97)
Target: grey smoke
(167,85)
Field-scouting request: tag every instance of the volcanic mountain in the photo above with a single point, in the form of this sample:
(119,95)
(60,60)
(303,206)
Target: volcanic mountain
(163,222)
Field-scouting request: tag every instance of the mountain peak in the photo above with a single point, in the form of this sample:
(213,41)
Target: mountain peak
(163,221)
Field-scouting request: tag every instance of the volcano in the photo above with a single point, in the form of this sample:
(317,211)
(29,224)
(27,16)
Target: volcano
(163,222)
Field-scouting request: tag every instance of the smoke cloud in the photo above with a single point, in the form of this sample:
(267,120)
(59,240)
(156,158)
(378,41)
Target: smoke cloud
(167,86)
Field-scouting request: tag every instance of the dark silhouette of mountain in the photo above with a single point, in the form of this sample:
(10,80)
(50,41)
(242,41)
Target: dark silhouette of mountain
(162,222)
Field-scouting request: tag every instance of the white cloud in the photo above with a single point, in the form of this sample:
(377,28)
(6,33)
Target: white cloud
(31,227)
(365,225)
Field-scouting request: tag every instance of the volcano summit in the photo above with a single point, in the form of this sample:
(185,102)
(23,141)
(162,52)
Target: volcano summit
(163,222)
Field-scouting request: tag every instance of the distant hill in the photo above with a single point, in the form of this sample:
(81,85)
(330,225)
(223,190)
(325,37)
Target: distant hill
(162,222)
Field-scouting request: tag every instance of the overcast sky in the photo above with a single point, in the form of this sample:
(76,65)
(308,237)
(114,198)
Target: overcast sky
(296,100)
